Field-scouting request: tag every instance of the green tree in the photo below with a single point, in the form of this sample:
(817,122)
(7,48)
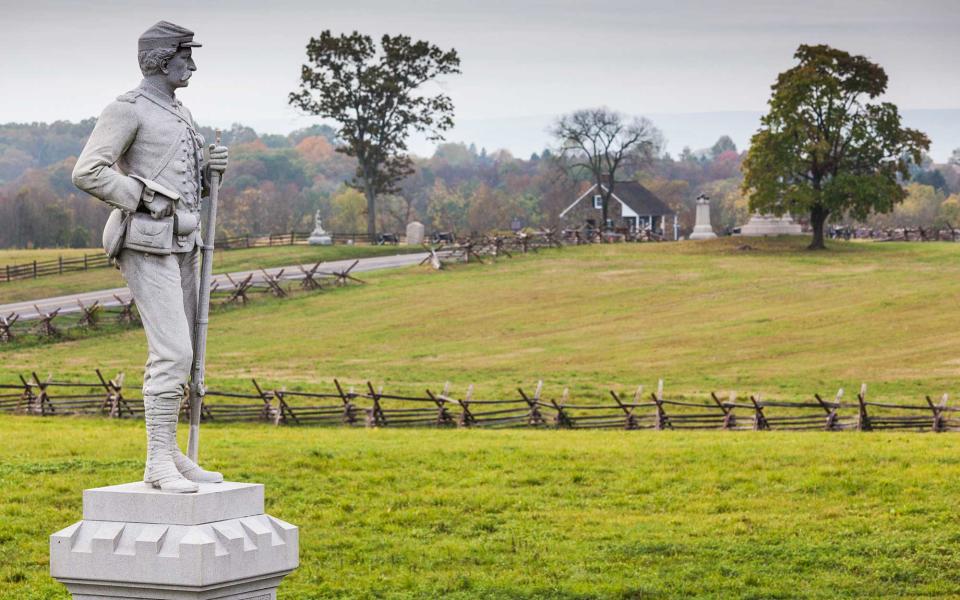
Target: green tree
(949,213)
(724,144)
(823,148)
(349,211)
(376,97)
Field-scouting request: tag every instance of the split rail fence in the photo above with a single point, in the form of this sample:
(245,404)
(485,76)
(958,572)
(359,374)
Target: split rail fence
(280,283)
(530,408)
(99,260)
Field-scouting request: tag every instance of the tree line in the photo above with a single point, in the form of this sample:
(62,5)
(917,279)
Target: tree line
(823,151)
(276,183)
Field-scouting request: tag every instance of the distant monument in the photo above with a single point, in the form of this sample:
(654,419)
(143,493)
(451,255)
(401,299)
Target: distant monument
(702,230)
(319,237)
(415,233)
(763,225)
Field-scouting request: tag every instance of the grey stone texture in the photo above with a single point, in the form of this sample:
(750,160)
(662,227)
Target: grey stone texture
(702,230)
(319,237)
(149,544)
(139,503)
(763,225)
(415,233)
(145,158)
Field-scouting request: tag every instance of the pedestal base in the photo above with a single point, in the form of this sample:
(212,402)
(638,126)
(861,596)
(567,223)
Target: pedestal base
(702,232)
(320,240)
(764,225)
(137,542)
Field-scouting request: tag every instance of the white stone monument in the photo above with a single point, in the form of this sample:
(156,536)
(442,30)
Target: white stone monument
(702,230)
(415,233)
(182,532)
(764,225)
(319,237)
(138,542)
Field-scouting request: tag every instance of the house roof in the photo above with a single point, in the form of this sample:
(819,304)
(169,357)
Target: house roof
(632,194)
(641,200)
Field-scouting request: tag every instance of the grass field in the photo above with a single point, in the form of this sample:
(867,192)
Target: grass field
(704,316)
(564,514)
(233,260)
(538,514)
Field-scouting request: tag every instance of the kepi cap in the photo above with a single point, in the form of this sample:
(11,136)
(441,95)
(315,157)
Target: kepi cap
(166,35)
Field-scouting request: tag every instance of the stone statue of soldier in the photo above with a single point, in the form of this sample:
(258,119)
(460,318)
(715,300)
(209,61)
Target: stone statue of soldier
(145,158)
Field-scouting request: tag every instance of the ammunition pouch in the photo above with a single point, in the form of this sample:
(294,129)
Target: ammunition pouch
(146,234)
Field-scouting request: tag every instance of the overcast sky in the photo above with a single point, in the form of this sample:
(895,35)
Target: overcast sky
(522,61)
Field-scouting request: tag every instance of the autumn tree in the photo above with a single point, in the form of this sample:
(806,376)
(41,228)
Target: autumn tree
(376,95)
(823,148)
(600,142)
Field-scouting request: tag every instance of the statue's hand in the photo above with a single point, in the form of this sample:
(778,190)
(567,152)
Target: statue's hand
(218,158)
(161,206)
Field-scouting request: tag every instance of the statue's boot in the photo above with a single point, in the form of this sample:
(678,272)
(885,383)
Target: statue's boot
(192,471)
(161,472)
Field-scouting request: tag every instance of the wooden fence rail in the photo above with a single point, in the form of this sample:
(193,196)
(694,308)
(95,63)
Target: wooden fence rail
(61,265)
(373,407)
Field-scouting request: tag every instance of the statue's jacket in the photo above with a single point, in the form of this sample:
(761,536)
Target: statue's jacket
(145,142)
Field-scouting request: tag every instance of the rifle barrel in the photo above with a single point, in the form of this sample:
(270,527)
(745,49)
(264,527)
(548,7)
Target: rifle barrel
(197,390)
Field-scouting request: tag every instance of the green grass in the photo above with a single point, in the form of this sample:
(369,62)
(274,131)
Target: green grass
(227,261)
(18,256)
(704,316)
(563,514)
(538,514)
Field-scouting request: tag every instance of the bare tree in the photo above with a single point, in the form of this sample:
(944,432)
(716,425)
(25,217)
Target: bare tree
(601,142)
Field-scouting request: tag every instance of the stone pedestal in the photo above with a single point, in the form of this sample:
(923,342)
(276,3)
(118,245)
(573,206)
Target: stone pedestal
(319,237)
(415,233)
(138,542)
(761,225)
(702,230)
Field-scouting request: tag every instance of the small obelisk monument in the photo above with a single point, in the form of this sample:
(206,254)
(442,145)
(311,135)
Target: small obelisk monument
(702,230)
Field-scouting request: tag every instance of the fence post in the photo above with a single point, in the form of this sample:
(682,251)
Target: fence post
(84,262)
(60,264)
(291,238)
(34,269)
(863,419)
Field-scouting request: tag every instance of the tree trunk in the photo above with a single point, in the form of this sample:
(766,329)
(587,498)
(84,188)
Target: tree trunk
(818,218)
(371,213)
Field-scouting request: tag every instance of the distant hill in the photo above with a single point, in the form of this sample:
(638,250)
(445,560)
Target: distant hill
(525,135)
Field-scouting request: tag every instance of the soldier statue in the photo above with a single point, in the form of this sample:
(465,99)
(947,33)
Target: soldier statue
(145,158)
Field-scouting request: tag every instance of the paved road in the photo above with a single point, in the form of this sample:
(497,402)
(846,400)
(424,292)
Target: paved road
(68,304)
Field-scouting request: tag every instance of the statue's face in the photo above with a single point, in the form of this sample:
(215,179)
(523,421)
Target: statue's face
(180,68)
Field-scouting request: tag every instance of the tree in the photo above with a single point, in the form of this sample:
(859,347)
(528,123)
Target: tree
(724,144)
(823,148)
(954,157)
(600,142)
(376,97)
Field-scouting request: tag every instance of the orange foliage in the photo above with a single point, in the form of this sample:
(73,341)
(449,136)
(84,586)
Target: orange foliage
(315,149)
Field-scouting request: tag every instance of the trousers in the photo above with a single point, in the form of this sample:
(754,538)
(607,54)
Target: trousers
(166,292)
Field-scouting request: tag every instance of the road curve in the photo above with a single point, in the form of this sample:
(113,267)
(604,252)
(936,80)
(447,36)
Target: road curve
(107,298)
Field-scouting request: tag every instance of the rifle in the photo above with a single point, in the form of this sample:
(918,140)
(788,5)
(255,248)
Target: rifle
(197,390)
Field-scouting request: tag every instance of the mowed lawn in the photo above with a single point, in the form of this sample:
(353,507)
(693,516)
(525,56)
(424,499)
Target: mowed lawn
(538,514)
(774,319)
(226,261)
